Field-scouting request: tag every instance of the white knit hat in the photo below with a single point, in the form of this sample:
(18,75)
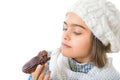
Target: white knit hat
(102,18)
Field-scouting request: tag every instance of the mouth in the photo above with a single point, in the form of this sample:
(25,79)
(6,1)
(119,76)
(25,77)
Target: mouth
(66,45)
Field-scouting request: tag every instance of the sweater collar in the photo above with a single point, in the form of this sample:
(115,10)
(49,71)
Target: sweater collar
(77,67)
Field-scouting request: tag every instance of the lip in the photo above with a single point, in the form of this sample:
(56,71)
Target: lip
(66,45)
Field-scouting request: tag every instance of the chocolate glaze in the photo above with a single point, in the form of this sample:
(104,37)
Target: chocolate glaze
(31,65)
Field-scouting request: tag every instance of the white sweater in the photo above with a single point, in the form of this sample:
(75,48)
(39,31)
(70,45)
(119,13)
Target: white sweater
(61,71)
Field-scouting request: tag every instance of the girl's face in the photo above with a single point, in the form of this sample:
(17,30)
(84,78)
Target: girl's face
(76,39)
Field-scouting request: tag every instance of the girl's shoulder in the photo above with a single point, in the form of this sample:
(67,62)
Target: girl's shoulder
(109,72)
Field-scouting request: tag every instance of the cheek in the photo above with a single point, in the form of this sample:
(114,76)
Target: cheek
(81,46)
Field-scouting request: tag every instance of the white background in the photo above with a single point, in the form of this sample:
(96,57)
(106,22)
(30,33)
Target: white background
(28,26)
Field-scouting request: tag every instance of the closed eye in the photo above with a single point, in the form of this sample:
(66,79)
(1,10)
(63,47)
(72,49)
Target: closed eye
(76,33)
(64,29)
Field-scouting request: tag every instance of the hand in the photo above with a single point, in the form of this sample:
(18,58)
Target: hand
(39,73)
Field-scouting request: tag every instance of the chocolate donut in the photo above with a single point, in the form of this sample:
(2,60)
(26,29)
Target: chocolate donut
(31,65)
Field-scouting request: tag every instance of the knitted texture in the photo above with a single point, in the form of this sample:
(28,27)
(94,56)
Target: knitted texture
(102,18)
(59,67)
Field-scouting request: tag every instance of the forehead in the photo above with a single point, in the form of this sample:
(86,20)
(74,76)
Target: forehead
(72,18)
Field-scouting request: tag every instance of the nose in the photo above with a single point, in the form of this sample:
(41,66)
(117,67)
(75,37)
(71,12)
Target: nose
(66,36)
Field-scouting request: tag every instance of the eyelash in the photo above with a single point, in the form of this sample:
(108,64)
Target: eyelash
(64,29)
(76,33)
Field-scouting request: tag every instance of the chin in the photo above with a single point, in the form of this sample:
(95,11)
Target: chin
(66,54)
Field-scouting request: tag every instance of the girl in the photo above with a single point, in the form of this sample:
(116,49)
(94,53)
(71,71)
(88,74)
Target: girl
(90,30)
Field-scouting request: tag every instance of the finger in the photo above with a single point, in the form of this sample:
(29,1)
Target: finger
(37,72)
(47,76)
(41,77)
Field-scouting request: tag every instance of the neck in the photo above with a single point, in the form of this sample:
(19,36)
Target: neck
(82,59)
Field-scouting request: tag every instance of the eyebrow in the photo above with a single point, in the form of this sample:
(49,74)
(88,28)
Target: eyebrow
(75,25)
